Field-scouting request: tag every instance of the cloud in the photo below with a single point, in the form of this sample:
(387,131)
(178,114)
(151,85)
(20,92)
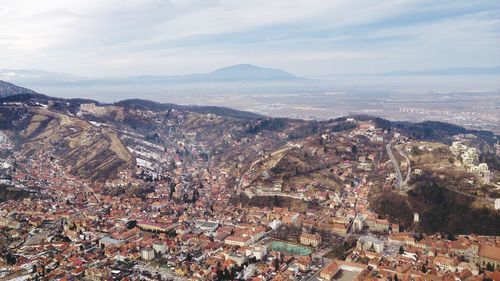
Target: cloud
(309,37)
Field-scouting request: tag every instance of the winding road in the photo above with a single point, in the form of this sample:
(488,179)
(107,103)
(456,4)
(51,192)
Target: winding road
(395,164)
(408,172)
(402,184)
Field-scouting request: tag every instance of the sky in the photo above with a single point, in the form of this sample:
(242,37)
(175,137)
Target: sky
(310,38)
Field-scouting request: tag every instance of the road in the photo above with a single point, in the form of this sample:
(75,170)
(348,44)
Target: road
(408,172)
(395,164)
(404,184)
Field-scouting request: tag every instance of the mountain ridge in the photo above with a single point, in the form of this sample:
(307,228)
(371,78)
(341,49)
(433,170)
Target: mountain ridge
(452,71)
(233,73)
(495,70)
(420,128)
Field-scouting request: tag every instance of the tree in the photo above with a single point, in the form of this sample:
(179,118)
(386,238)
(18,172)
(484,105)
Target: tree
(226,275)
(232,273)
(424,268)
(276,264)
(131,224)
(219,273)
(415,150)
(451,236)
(10,259)
(419,236)
(490,267)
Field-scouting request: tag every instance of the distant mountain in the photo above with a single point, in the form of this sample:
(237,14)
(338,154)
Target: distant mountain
(449,71)
(250,72)
(8,89)
(13,75)
(235,73)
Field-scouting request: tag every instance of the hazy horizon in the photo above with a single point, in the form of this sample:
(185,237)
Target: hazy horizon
(409,60)
(310,39)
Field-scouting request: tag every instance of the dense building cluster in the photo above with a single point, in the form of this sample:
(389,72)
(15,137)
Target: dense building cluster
(175,217)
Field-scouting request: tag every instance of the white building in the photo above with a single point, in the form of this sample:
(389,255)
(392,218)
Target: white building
(239,259)
(257,251)
(160,247)
(470,156)
(457,148)
(108,241)
(416,217)
(148,254)
(275,224)
(209,226)
(368,243)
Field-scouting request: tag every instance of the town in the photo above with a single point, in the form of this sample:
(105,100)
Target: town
(181,215)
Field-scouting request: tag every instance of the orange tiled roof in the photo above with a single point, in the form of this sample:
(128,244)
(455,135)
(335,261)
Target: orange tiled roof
(491,252)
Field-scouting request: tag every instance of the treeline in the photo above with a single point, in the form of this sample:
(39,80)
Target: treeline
(440,131)
(16,118)
(220,111)
(217,110)
(270,124)
(441,210)
(445,211)
(394,206)
(10,193)
(343,126)
(272,201)
(304,131)
(427,130)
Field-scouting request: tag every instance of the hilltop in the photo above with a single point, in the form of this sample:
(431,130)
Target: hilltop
(250,72)
(8,89)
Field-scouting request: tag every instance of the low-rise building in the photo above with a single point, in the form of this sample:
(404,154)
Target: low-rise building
(108,241)
(486,256)
(160,247)
(329,271)
(148,254)
(310,239)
